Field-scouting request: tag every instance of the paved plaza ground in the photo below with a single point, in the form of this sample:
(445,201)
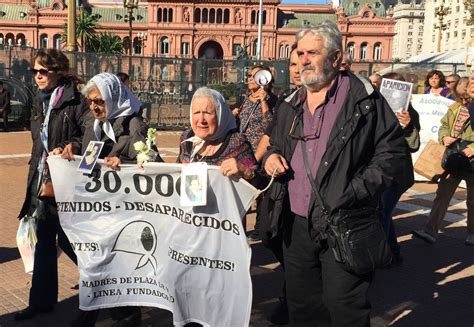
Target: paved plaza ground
(433,287)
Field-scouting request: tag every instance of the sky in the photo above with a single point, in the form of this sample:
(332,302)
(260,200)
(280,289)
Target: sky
(305,1)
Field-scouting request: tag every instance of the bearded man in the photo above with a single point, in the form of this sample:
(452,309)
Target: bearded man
(337,135)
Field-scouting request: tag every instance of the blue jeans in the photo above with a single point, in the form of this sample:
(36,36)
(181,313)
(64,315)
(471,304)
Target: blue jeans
(389,200)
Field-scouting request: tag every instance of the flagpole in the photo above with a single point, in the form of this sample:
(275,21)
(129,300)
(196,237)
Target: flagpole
(259,38)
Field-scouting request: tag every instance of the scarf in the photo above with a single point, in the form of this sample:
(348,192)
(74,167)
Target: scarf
(119,102)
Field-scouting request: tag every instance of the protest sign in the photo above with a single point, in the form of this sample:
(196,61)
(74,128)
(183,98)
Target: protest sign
(137,246)
(431,109)
(397,93)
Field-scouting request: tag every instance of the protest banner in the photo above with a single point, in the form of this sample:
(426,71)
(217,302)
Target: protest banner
(137,246)
(397,93)
(431,109)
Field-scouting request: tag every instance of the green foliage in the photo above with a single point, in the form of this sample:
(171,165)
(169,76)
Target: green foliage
(86,25)
(108,43)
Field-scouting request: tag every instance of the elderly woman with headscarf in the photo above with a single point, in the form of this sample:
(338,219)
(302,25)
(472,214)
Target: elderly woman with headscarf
(116,121)
(213,137)
(117,124)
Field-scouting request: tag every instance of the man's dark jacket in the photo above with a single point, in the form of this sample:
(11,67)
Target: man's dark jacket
(66,125)
(365,154)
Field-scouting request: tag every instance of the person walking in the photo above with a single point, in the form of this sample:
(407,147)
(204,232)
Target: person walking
(339,130)
(58,116)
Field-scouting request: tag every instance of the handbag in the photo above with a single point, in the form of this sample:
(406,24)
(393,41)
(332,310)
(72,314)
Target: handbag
(428,163)
(454,159)
(45,189)
(356,237)
(26,241)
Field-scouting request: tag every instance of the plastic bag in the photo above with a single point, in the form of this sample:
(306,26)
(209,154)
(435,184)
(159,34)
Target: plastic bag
(26,241)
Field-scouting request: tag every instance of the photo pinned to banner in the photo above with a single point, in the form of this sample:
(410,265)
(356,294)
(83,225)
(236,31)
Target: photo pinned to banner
(90,157)
(194,184)
(397,93)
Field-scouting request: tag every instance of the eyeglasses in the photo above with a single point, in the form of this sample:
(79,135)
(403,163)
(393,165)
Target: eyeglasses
(42,71)
(449,82)
(97,102)
(319,122)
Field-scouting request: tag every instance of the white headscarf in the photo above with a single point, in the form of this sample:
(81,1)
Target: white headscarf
(225,119)
(119,102)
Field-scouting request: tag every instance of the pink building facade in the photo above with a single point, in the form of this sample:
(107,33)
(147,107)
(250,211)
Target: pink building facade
(202,29)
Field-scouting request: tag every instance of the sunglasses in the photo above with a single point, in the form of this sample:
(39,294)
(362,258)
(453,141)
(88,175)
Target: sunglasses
(42,71)
(97,102)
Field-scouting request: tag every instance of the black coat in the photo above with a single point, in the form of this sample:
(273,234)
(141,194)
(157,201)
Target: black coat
(365,154)
(67,121)
(127,131)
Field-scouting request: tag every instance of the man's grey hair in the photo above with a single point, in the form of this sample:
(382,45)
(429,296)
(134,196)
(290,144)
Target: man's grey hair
(88,88)
(204,92)
(328,31)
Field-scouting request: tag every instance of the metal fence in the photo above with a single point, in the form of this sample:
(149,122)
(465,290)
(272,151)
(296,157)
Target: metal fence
(165,85)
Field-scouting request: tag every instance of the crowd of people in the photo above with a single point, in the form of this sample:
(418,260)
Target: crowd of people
(332,143)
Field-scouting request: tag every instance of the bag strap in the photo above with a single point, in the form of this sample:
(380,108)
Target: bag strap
(252,111)
(311,178)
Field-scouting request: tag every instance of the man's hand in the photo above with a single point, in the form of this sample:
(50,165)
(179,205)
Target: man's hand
(57,151)
(67,153)
(112,162)
(448,140)
(276,165)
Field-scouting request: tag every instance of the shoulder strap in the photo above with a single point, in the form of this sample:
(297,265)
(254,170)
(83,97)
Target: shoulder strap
(311,178)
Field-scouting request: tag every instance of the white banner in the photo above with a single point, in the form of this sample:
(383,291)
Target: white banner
(431,109)
(136,245)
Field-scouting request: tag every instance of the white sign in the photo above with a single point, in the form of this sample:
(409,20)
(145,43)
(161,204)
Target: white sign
(137,246)
(397,93)
(431,109)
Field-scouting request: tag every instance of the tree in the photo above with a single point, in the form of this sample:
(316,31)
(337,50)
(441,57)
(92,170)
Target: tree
(86,25)
(108,43)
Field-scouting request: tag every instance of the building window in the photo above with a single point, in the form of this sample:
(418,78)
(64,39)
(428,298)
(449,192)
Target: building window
(212,16)
(455,33)
(410,20)
(204,15)
(412,13)
(252,17)
(185,48)
(235,48)
(377,51)
(433,38)
(165,15)
(44,41)
(264,17)
(410,33)
(287,51)
(410,27)
(282,51)
(159,17)
(219,16)
(164,46)
(57,41)
(197,15)
(363,51)
(226,16)
(255,45)
(350,50)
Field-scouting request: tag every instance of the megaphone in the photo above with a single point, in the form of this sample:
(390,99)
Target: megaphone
(263,77)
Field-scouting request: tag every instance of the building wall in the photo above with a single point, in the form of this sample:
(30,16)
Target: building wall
(367,36)
(409,29)
(186,36)
(456,34)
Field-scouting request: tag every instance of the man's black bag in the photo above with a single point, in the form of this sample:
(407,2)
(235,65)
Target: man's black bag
(454,159)
(356,236)
(358,240)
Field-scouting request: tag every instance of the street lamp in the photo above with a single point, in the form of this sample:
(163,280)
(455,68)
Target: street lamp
(440,11)
(142,37)
(130,5)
